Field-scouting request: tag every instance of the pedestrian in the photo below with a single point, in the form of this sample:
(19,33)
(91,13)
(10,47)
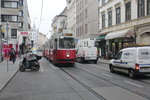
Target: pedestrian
(12,54)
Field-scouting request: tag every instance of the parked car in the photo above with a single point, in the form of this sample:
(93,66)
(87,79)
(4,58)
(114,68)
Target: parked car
(133,61)
(87,54)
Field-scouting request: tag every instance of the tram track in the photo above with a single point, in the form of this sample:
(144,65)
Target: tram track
(84,85)
(136,92)
(136,80)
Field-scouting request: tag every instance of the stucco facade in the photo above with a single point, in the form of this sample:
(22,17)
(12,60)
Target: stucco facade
(118,16)
(71,16)
(86,18)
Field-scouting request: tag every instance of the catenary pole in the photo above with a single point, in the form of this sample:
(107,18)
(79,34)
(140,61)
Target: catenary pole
(7,28)
(1,44)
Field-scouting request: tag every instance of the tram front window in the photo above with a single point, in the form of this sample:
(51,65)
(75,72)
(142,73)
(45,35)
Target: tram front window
(67,43)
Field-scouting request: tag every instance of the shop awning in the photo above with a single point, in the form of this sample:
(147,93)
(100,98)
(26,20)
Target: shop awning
(101,37)
(119,34)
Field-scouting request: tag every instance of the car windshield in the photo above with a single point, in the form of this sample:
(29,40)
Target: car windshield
(144,54)
(66,43)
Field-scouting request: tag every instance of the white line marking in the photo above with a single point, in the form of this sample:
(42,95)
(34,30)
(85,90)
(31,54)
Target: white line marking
(134,84)
(42,69)
(107,75)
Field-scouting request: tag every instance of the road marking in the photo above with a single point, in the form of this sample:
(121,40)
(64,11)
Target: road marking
(42,69)
(134,84)
(107,75)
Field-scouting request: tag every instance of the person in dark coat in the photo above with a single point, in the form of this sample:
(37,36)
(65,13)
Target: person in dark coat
(12,54)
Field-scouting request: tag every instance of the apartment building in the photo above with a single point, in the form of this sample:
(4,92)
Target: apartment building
(9,21)
(42,38)
(34,37)
(24,21)
(59,22)
(123,23)
(10,18)
(71,16)
(86,18)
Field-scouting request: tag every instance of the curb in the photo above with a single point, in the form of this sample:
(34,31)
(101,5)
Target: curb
(103,62)
(5,84)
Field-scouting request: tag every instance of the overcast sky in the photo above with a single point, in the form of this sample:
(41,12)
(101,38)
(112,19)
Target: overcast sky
(51,8)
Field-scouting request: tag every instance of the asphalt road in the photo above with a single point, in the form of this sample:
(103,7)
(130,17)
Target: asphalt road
(81,82)
(50,83)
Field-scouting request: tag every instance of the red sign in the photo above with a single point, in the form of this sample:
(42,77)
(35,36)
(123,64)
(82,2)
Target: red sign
(24,33)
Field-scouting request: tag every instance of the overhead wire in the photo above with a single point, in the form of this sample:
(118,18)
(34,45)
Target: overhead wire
(41,15)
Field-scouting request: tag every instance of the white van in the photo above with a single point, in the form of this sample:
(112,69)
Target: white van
(87,54)
(134,61)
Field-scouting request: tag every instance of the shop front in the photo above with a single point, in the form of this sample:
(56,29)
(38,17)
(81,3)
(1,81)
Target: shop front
(118,40)
(101,45)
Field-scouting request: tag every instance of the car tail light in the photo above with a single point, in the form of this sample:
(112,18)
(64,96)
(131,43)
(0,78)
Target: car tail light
(137,66)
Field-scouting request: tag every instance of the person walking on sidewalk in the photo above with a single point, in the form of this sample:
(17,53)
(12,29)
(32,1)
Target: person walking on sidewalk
(12,54)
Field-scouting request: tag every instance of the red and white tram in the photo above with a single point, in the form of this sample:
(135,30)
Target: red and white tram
(61,49)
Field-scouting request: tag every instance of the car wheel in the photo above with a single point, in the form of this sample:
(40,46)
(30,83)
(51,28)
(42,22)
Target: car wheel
(111,67)
(131,74)
(95,62)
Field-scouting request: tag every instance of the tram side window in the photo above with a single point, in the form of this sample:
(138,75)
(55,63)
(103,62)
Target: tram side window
(51,44)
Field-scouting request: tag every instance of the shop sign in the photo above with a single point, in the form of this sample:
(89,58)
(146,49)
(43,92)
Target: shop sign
(24,33)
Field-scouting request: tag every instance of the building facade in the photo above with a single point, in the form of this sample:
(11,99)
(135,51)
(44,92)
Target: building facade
(10,18)
(24,26)
(59,22)
(34,38)
(86,18)
(71,16)
(42,38)
(123,23)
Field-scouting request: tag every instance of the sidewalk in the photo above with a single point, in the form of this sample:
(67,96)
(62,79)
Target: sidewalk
(101,60)
(7,72)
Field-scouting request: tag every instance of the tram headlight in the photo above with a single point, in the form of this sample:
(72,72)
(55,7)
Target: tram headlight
(67,55)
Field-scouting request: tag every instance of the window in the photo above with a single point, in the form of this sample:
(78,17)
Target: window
(9,4)
(118,18)
(118,56)
(20,2)
(110,18)
(66,43)
(86,28)
(103,2)
(14,33)
(141,8)
(148,7)
(10,18)
(21,25)
(128,11)
(20,13)
(86,13)
(103,21)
